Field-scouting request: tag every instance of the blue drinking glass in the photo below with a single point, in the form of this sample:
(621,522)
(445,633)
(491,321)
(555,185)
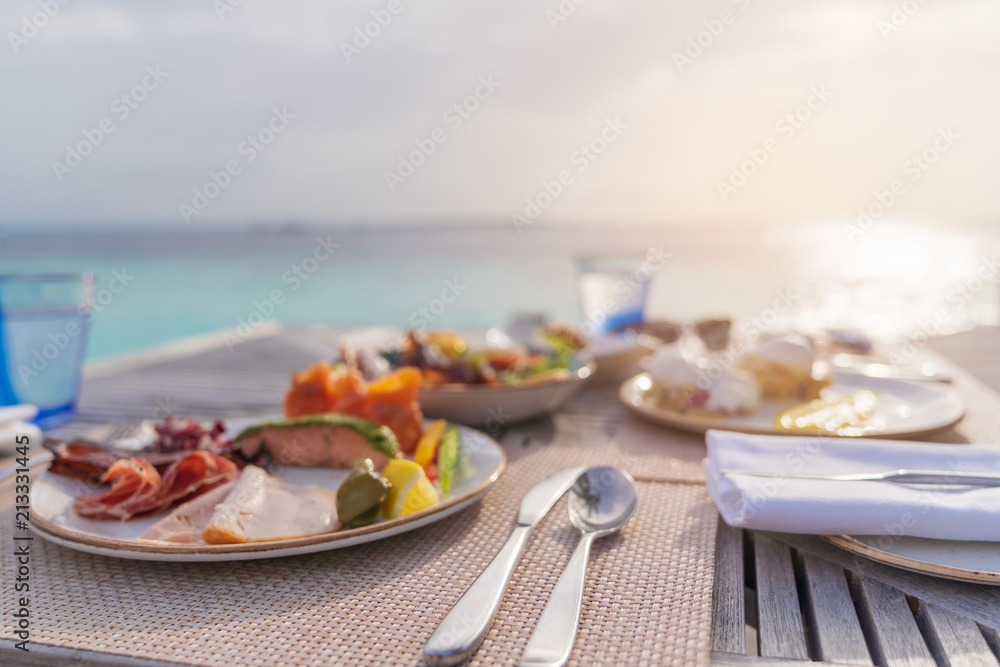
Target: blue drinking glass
(44,320)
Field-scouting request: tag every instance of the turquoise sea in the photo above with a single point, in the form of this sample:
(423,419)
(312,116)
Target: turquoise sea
(156,285)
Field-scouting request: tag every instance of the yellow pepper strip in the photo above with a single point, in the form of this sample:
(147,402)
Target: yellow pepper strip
(428,444)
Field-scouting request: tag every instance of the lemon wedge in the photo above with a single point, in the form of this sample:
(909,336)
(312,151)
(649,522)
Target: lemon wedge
(845,414)
(411,491)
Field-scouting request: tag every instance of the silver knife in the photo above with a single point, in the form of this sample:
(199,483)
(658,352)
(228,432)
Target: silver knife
(929,372)
(901,476)
(464,628)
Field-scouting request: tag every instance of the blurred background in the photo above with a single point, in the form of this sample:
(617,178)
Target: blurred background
(362,158)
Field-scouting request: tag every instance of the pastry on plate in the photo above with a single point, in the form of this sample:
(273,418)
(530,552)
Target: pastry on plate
(733,393)
(675,375)
(783,367)
(680,384)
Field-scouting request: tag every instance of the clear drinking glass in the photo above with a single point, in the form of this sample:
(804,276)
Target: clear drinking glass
(613,291)
(43,337)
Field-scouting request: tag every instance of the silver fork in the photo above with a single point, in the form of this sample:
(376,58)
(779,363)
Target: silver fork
(124,428)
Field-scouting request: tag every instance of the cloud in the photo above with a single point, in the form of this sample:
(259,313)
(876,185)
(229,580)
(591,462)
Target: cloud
(687,128)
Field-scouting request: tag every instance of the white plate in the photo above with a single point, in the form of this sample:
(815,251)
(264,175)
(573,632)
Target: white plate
(496,406)
(52,515)
(978,562)
(909,408)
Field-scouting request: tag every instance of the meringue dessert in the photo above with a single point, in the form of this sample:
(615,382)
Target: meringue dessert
(783,367)
(733,393)
(681,385)
(675,377)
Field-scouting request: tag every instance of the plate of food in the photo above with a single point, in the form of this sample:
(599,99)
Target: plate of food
(777,388)
(977,562)
(495,385)
(313,479)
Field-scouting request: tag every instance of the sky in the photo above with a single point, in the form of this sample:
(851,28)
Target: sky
(199,113)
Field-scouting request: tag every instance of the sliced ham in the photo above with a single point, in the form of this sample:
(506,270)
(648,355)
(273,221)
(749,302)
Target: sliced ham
(262,508)
(186,522)
(195,474)
(135,488)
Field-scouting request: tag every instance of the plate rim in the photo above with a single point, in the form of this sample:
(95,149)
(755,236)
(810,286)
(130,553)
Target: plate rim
(853,545)
(107,546)
(699,424)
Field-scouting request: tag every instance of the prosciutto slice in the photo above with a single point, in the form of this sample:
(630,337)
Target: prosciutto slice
(135,488)
(195,474)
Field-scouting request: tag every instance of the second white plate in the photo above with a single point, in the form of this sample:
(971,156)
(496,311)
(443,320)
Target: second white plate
(909,408)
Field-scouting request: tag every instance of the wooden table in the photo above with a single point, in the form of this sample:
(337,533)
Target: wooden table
(777,599)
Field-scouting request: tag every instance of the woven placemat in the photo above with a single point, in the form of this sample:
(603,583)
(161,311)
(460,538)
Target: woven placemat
(648,595)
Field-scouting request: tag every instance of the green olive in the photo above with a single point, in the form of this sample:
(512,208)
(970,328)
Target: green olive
(360,495)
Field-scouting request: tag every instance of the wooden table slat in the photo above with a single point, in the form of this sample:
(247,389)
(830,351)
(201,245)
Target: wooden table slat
(780,630)
(992,637)
(953,639)
(836,630)
(893,635)
(728,598)
(756,661)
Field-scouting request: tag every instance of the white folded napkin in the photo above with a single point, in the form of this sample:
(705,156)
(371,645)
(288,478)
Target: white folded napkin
(14,423)
(822,507)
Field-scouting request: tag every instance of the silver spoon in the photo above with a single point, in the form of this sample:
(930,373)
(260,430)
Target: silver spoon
(601,501)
